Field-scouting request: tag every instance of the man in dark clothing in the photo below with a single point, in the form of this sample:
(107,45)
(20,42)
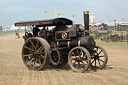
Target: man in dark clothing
(35,31)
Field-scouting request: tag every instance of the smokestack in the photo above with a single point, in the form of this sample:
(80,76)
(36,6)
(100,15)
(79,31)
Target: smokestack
(86,20)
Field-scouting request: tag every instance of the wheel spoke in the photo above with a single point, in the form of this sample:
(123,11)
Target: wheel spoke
(31,57)
(73,58)
(83,62)
(101,60)
(32,44)
(41,53)
(92,61)
(74,54)
(78,52)
(41,56)
(74,62)
(95,63)
(40,49)
(39,61)
(78,66)
(84,55)
(29,48)
(102,56)
(32,48)
(84,59)
(99,52)
(35,60)
(28,55)
(37,45)
(92,57)
(30,52)
(29,62)
(99,63)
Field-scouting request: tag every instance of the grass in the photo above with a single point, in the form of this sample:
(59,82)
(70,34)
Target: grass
(1,33)
(123,43)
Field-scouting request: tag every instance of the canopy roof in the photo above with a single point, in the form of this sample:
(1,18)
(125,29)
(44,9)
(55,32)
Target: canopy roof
(44,22)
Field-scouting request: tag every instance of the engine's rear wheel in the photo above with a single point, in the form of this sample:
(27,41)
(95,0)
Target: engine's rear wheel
(35,53)
(79,59)
(99,58)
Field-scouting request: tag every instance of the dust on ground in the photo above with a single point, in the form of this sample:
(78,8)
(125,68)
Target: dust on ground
(14,72)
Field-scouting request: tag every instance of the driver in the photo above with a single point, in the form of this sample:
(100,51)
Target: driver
(35,31)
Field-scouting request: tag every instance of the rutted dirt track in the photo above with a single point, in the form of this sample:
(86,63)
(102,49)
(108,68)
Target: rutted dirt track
(14,72)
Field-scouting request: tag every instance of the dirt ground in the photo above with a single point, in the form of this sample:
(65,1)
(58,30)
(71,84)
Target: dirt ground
(14,72)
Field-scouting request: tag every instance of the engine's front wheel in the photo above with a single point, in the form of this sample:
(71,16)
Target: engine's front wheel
(79,59)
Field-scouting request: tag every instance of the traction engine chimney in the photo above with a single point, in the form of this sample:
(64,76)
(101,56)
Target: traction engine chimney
(86,22)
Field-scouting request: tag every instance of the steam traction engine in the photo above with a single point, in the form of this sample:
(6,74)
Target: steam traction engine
(61,45)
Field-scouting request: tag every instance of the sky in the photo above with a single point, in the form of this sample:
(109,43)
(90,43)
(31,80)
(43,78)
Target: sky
(12,11)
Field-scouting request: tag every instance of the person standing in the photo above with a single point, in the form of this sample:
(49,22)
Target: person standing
(35,31)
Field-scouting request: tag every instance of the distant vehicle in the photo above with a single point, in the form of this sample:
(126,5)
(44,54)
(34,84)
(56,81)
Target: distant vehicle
(122,26)
(115,36)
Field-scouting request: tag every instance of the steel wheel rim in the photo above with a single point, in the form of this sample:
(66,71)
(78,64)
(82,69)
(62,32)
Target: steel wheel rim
(33,54)
(99,59)
(79,59)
